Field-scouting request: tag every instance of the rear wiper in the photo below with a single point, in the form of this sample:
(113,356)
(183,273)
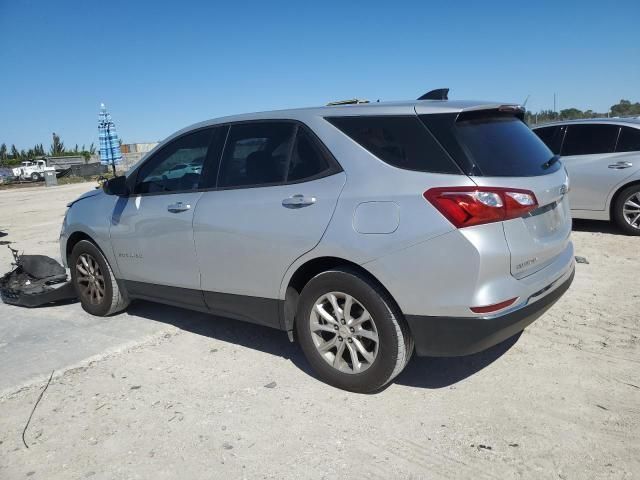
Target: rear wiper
(550,162)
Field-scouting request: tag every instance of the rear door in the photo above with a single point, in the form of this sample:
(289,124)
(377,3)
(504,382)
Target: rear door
(277,189)
(498,149)
(589,154)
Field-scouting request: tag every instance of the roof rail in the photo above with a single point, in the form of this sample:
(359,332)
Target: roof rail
(352,101)
(437,94)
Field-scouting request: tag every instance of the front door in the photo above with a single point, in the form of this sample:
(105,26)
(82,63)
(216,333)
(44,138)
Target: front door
(152,229)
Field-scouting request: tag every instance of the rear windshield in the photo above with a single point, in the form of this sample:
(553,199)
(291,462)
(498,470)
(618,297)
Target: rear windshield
(492,144)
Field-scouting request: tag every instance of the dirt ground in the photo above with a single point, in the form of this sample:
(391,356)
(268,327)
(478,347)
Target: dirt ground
(161,392)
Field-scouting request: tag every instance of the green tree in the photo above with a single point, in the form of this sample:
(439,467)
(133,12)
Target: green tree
(57,147)
(625,108)
(3,152)
(39,150)
(571,113)
(15,154)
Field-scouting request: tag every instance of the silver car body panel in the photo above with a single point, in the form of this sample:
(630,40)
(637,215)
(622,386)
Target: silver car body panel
(152,244)
(245,239)
(90,215)
(593,182)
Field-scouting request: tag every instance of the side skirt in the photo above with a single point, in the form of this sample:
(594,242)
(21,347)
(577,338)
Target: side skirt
(262,311)
(591,214)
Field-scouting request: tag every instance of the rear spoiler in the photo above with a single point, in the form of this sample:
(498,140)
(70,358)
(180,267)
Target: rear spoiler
(497,111)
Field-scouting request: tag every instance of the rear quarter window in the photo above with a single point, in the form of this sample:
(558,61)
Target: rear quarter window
(629,140)
(401,141)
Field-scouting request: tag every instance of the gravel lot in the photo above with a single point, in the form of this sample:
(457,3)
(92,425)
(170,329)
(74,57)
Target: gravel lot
(160,392)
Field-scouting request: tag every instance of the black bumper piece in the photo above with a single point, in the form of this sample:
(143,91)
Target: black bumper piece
(62,293)
(458,336)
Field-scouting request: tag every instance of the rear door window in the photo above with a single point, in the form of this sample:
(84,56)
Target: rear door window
(256,153)
(401,141)
(552,137)
(629,140)
(589,139)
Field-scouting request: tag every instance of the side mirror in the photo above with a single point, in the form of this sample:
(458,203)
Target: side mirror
(116,186)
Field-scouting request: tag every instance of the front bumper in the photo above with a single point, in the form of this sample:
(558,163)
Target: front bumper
(454,337)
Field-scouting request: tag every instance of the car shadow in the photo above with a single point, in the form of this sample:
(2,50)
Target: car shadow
(258,337)
(421,372)
(596,226)
(442,372)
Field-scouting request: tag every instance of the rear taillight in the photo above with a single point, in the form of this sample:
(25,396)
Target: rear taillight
(467,206)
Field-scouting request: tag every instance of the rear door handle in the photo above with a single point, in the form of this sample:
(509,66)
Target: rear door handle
(298,201)
(178,207)
(621,165)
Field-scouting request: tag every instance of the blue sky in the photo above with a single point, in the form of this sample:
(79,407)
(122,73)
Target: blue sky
(160,66)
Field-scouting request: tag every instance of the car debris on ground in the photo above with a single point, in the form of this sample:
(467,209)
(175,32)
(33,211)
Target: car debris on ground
(36,280)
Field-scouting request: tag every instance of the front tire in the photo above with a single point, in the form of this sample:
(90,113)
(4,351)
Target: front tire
(351,331)
(93,280)
(35,177)
(626,210)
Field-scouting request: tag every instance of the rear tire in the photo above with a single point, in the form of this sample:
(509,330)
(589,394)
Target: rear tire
(330,340)
(35,177)
(625,213)
(93,280)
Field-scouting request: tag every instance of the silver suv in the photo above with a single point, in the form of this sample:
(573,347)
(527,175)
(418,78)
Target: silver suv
(603,160)
(363,230)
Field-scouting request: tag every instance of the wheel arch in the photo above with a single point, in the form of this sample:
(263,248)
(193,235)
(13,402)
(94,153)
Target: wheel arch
(81,234)
(73,240)
(309,269)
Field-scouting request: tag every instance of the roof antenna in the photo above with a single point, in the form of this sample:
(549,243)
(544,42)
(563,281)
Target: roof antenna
(437,94)
(524,104)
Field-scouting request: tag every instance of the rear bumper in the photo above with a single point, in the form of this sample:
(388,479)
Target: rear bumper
(453,337)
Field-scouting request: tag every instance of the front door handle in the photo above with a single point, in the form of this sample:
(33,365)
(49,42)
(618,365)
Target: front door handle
(298,201)
(178,207)
(621,165)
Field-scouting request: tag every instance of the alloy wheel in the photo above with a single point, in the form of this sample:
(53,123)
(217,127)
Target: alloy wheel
(631,210)
(90,279)
(344,332)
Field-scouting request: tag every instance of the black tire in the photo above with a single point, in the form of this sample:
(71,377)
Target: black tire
(35,177)
(395,342)
(113,299)
(618,206)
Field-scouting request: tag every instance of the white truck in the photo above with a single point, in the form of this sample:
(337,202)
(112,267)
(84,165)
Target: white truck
(33,171)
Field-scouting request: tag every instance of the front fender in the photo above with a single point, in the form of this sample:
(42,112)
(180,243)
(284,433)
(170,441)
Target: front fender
(91,217)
